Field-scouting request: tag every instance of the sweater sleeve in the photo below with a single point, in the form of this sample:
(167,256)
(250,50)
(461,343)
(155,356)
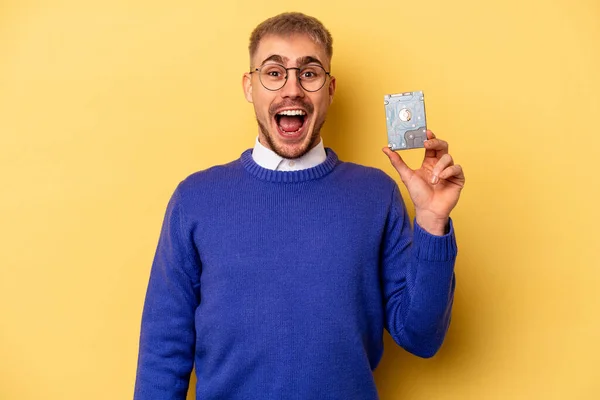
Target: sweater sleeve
(418,282)
(167,339)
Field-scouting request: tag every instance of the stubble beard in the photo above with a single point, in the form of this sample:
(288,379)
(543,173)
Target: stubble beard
(293,153)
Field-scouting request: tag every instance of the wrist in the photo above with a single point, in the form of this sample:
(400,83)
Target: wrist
(433,224)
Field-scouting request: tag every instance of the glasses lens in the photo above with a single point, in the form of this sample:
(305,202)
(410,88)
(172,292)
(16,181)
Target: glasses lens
(272,76)
(312,77)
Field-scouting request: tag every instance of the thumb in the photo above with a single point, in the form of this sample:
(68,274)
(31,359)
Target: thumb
(399,164)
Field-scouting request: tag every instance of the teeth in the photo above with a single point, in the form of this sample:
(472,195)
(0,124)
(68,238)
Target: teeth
(291,112)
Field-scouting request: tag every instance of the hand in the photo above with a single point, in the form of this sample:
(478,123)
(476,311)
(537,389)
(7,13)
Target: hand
(435,187)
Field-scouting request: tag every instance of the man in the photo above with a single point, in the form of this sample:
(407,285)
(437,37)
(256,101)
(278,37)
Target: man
(276,274)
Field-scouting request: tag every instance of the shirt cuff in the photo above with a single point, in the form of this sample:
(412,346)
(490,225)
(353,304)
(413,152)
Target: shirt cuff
(428,247)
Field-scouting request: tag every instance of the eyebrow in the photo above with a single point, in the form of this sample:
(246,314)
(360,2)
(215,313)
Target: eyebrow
(299,61)
(308,60)
(276,58)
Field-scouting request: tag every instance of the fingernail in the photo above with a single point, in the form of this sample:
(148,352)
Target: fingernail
(434,179)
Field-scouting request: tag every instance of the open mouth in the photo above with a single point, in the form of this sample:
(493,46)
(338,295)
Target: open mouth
(290,122)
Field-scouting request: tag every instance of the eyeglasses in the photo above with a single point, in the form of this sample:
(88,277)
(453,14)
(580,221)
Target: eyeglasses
(273,77)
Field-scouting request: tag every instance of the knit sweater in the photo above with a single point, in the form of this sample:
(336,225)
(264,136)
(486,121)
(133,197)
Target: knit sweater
(278,285)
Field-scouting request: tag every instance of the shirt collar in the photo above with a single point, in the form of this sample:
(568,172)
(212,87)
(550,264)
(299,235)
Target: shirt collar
(268,159)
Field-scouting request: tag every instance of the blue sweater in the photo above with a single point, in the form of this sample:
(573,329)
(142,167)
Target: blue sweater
(278,285)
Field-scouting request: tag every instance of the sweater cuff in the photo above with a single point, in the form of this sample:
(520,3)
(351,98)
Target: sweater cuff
(428,247)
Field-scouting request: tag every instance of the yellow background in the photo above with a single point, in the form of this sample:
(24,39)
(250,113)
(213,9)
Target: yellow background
(106,105)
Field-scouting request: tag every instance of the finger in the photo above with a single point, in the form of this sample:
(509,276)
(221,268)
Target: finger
(430,134)
(444,162)
(453,171)
(436,148)
(399,164)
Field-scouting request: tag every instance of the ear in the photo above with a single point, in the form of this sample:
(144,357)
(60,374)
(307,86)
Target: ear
(247,85)
(331,89)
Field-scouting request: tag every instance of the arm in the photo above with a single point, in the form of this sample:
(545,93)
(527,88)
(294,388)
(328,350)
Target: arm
(418,282)
(167,339)
(419,275)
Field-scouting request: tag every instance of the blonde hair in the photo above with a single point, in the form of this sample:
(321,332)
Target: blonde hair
(292,23)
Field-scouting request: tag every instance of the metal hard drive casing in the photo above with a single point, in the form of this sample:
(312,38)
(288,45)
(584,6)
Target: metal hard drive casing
(405,120)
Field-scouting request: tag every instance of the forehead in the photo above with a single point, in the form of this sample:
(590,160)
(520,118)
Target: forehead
(290,49)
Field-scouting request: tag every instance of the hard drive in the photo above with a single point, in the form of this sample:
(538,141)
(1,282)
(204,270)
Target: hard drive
(405,120)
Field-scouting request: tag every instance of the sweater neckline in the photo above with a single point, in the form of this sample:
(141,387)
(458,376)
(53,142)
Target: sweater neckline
(303,175)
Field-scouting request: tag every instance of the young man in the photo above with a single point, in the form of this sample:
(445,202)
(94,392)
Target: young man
(276,274)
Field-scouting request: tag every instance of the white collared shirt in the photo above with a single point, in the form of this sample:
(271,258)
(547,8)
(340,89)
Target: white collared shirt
(268,159)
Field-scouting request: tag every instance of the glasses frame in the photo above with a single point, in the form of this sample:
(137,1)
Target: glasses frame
(298,69)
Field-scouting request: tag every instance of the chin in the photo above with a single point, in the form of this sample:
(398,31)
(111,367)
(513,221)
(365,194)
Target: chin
(289,150)
(292,152)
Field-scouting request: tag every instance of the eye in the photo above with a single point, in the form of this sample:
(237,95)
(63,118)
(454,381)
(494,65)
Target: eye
(273,72)
(310,73)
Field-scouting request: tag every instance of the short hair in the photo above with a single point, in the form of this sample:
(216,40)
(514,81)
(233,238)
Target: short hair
(292,23)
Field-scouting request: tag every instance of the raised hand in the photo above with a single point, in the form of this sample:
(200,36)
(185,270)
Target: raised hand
(435,187)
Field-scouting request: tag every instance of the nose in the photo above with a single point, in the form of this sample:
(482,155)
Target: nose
(292,86)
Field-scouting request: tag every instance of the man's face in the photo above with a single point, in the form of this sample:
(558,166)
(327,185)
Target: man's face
(293,135)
